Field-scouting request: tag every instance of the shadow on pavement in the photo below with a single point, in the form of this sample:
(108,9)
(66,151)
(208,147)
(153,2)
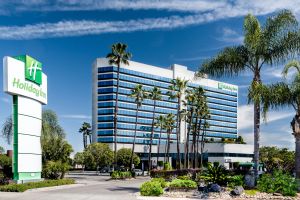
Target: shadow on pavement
(129,189)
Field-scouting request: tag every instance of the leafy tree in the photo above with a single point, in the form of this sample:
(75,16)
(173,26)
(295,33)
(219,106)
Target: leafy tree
(79,159)
(263,46)
(154,95)
(124,156)
(6,165)
(98,155)
(176,91)
(118,56)
(2,150)
(7,130)
(86,132)
(50,125)
(139,94)
(275,158)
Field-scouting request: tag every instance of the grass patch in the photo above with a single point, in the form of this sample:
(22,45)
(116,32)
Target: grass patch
(251,192)
(26,186)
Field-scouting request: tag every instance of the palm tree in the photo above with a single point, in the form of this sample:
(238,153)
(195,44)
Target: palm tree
(205,127)
(160,123)
(7,130)
(284,94)
(118,56)
(86,131)
(139,94)
(155,95)
(263,46)
(176,91)
(169,125)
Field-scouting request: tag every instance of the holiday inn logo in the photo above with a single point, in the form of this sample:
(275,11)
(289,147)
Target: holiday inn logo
(33,68)
(224,86)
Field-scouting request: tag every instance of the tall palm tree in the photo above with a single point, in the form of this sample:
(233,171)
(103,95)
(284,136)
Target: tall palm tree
(170,124)
(281,95)
(176,91)
(205,127)
(7,129)
(86,131)
(154,95)
(139,94)
(117,56)
(160,123)
(263,46)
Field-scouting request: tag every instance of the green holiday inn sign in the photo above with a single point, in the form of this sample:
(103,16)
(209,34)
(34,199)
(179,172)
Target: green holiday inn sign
(224,86)
(33,68)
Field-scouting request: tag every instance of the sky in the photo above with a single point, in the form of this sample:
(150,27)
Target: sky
(68,35)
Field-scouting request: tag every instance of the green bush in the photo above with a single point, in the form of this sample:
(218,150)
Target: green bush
(188,184)
(215,173)
(151,188)
(277,182)
(184,177)
(162,181)
(167,166)
(121,175)
(26,186)
(55,169)
(237,180)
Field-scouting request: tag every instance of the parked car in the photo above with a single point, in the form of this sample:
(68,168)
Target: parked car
(138,172)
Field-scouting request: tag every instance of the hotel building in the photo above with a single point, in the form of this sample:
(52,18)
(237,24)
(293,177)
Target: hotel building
(222,101)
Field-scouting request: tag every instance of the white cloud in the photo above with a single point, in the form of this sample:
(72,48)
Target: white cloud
(208,12)
(87,117)
(245,116)
(231,36)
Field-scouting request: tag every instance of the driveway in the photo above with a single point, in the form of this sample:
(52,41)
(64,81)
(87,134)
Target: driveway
(88,187)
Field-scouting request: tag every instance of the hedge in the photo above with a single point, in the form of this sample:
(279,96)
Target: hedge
(32,185)
(187,184)
(151,188)
(174,173)
(121,175)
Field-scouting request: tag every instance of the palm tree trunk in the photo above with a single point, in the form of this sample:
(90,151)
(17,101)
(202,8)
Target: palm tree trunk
(187,158)
(197,143)
(158,146)
(194,143)
(178,135)
(151,138)
(296,132)
(168,146)
(256,129)
(201,148)
(133,145)
(90,137)
(84,140)
(116,116)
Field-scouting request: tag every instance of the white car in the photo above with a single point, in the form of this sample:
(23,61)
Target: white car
(138,172)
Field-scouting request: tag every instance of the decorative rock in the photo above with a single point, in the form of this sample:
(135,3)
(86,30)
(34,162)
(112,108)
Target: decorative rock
(277,194)
(238,190)
(215,188)
(250,180)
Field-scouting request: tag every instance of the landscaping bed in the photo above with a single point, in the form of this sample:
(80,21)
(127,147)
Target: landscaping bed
(33,185)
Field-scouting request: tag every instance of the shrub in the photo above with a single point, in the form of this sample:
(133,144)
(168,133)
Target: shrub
(184,177)
(151,188)
(160,163)
(188,184)
(215,174)
(162,181)
(173,173)
(55,169)
(277,182)
(121,175)
(26,186)
(167,166)
(237,180)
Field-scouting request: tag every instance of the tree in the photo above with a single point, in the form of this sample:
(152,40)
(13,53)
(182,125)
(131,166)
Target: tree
(154,95)
(176,91)
(86,132)
(280,95)
(50,125)
(124,157)
(160,123)
(79,159)
(118,56)
(139,94)
(7,130)
(263,46)
(98,155)
(169,126)
(2,150)
(275,158)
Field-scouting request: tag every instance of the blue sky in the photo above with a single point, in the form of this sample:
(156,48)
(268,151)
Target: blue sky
(68,35)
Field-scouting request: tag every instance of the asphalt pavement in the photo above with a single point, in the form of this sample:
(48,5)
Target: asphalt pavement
(88,187)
